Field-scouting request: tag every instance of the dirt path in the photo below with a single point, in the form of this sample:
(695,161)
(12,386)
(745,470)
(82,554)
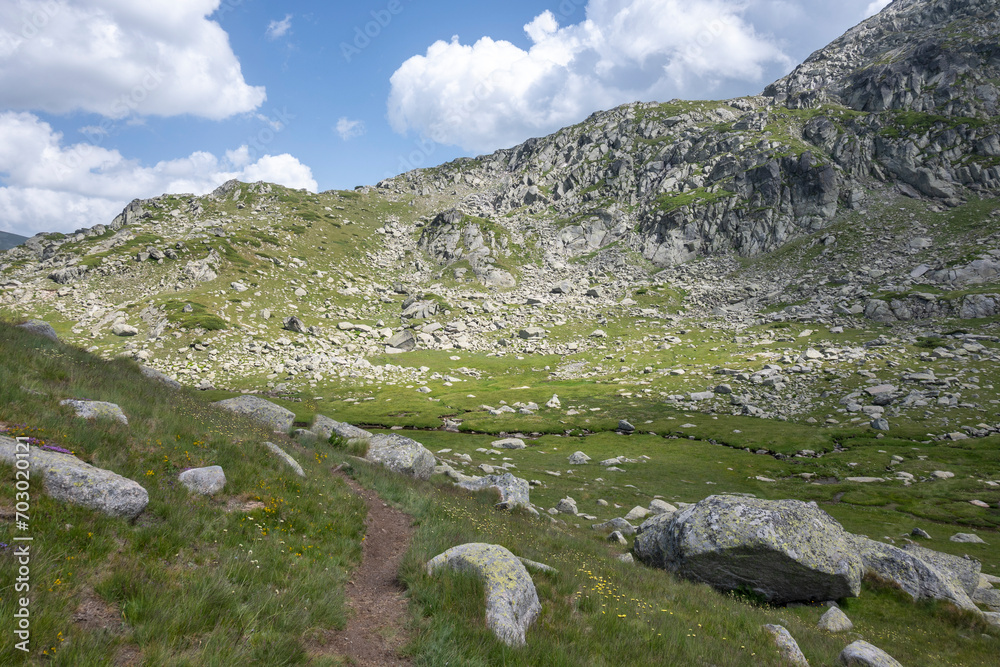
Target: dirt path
(376,629)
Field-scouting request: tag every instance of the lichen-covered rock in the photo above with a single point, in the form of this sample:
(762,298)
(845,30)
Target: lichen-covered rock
(286,457)
(68,479)
(96,410)
(401,454)
(205,481)
(962,571)
(783,550)
(326,427)
(514,491)
(787,646)
(40,328)
(275,416)
(834,620)
(920,578)
(618,524)
(863,654)
(511,600)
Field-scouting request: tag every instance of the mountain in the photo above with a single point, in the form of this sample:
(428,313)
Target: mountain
(8,240)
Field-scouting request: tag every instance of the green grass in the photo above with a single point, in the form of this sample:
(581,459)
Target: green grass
(197,318)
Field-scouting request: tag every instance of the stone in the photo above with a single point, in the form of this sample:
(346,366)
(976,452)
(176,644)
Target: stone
(293,324)
(920,532)
(123,329)
(880,424)
(204,481)
(40,328)
(154,374)
(969,538)
(618,524)
(616,537)
(70,480)
(511,600)
(625,427)
(834,620)
(636,513)
(529,333)
(405,340)
(286,457)
(788,648)
(942,474)
(578,459)
(917,577)
(401,454)
(509,443)
(863,654)
(702,396)
(514,491)
(553,402)
(783,550)
(658,506)
(96,410)
(567,506)
(278,418)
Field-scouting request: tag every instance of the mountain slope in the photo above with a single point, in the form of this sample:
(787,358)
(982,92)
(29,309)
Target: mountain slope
(8,240)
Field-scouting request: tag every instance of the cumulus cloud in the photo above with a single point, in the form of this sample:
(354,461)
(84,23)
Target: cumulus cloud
(493,93)
(278,29)
(348,129)
(50,185)
(876,6)
(120,58)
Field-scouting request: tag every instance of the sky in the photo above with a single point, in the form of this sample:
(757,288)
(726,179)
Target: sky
(105,101)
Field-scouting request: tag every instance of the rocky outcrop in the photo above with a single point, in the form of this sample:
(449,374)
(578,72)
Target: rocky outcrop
(275,416)
(511,600)
(783,550)
(453,236)
(68,479)
(401,454)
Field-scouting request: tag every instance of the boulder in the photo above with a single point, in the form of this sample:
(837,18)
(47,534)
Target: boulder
(787,646)
(286,457)
(326,427)
(68,479)
(205,481)
(967,538)
(293,324)
(404,340)
(509,443)
(919,578)
(834,620)
(637,513)
(964,572)
(275,416)
(625,427)
(658,506)
(553,402)
(511,600)
(123,329)
(513,491)
(784,550)
(863,654)
(40,328)
(154,374)
(578,459)
(618,524)
(401,454)
(567,506)
(96,409)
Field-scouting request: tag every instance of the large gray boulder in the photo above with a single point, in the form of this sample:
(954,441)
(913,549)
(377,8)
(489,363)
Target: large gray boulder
(325,427)
(40,328)
(908,570)
(964,572)
(68,479)
(404,340)
(287,458)
(204,481)
(783,550)
(275,416)
(96,410)
(513,491)
(787,646)
(401,454)
(863,654)
(511,600)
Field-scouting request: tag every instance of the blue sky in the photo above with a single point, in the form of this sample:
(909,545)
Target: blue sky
(103,101)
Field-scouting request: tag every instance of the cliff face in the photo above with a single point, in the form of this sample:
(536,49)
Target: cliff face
(907,99)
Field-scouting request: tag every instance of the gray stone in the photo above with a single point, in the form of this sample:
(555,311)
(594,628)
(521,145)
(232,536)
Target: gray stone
(293,324)
(405,340)
(920,532)
(625,427)
(123,329)
(275,416)
(636,513)
(401,454)
(880,424)
(788,648)
(863,654)
(968,538)
(618,524)
(578,459)
(509,443)
(514,491)
(784,550)
(963,571)
(567,506)
(511,600)
(154,374)
(286,457)
(326,427)
(96,410)
(834,620)
(205,481)
(531,332)
(617,538)
(40,328)
(70,480)
(658,506)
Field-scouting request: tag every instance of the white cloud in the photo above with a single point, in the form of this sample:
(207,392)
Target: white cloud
(348,129)
(876,6)
(50,185)
(120,58)
(493,93)
(278,29)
